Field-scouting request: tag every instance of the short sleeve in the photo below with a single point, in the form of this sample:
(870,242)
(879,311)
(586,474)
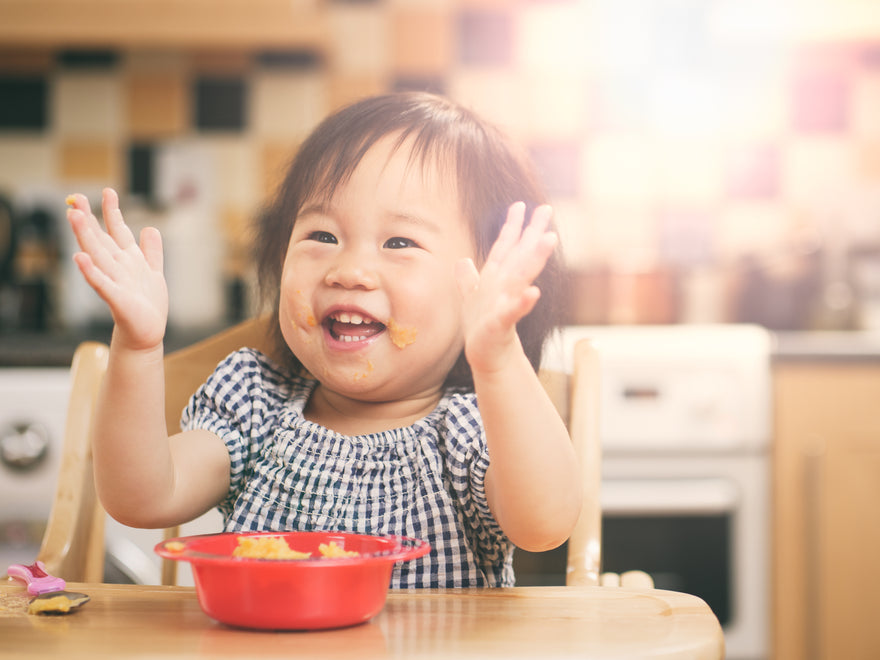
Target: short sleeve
(469,458)
(239,404)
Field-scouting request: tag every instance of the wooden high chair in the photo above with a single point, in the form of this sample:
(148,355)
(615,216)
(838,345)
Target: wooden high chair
(73,544)
(583,561)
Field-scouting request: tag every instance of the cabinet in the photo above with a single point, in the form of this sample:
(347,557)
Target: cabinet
(223,24)
(826,510)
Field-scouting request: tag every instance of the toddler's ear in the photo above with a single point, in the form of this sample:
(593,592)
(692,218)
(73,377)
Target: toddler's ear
(466,276)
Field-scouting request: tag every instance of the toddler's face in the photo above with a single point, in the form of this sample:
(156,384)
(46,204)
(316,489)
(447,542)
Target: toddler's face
(369,302)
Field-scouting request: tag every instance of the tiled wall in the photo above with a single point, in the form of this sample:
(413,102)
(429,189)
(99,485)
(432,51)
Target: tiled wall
(666,147)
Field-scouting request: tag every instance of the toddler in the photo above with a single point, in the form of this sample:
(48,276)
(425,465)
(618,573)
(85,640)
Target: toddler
(412,300)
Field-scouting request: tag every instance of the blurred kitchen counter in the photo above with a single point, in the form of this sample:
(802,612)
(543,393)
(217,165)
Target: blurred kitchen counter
(55,349)
(856,345)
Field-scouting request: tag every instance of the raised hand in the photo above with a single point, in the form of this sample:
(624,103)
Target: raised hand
(503,292)
(126,275)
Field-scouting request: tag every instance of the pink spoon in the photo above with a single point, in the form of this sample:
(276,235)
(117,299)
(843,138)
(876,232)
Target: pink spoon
(37,579)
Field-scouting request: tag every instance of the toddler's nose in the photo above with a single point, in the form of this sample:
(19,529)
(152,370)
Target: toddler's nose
(351,273)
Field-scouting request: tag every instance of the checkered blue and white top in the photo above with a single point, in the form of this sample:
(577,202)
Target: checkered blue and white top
(287,473)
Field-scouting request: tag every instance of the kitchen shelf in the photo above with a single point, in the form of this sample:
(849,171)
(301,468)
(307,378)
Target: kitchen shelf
(258,24)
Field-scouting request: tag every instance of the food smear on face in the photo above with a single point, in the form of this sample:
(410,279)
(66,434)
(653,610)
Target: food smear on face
(400,335)
(301,315)
(364,374)
(275,547)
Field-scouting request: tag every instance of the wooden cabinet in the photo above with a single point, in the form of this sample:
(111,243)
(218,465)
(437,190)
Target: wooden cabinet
(827,511)
(227,24)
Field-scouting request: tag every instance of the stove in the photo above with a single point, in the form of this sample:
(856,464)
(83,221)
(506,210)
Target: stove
(686,432)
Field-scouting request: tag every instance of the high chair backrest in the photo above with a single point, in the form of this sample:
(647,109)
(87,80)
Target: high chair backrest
(585,543)
(578,400)
(73,543)
(186,369)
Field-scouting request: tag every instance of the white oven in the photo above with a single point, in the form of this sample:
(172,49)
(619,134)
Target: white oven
(33,410)
(32,413)
(685,493)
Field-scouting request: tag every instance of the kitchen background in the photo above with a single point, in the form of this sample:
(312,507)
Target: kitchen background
(709,160)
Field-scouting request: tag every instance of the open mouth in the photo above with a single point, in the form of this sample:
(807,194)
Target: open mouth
(352,327)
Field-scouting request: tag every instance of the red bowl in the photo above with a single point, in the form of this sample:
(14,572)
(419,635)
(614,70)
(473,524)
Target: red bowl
(293,594)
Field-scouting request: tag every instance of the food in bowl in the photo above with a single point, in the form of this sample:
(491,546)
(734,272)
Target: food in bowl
(331,551)
(344,584)
(266,547)
(275,547)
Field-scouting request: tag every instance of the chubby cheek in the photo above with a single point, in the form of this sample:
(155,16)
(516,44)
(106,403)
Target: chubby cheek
(435,323)
(296,316)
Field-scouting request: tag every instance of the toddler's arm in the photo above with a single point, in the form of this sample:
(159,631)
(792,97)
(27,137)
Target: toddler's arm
(143,478)
(532,482)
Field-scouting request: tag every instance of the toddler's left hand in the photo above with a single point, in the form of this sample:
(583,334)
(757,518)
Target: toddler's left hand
(502,293)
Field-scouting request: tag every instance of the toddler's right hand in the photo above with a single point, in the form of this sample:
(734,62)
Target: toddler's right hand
(127,276)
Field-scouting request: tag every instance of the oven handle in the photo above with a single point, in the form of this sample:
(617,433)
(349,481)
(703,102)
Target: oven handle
(668,496)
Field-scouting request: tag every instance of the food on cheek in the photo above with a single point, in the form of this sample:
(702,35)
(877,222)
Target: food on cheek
(299,312)
(400,335)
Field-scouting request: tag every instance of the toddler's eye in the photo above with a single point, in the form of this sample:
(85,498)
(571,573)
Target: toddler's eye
(398,242)
(322,237)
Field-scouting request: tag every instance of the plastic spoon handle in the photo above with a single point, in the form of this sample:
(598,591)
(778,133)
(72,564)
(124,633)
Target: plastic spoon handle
(37,579)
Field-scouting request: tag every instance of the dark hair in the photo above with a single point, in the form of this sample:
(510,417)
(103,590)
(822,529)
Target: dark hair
(489,175)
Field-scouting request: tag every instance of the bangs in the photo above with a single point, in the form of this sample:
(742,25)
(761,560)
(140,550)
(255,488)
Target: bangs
(434,148)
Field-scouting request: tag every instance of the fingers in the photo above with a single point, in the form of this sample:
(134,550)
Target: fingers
(509,234)
(520,306)
(116,226)
(93,275)
(80,212)
(92,239)
(522,253)
(151,246)
(466,276)
(114,251)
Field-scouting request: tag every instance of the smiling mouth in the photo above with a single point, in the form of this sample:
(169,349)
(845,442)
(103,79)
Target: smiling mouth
(352,327)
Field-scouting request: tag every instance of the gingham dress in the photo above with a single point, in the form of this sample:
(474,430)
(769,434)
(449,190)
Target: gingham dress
(287,473)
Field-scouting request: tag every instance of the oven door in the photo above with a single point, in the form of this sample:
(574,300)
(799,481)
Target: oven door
(697,524)
(680,531)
